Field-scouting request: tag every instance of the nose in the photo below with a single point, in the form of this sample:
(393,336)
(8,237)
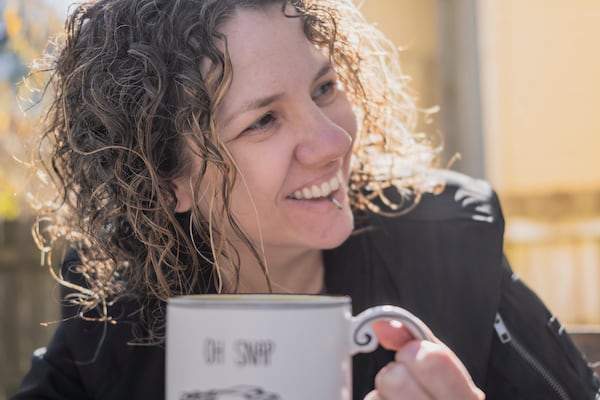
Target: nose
(322,140)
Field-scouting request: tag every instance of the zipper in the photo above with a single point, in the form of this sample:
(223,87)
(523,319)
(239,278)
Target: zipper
(507,338)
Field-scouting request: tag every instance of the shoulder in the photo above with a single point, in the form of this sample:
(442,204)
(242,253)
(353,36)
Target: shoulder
(462,198)
(455,237)
(465,215)
(465,209)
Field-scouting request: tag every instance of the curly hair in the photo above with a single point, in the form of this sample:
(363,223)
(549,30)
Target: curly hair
(129,96)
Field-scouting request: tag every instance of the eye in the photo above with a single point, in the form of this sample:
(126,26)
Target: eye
(325,92)
(324,89)
(262,123)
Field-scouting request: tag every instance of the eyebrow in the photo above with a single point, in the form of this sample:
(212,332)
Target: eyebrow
(265,101)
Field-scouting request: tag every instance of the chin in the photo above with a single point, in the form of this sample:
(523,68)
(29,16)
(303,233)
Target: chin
(338,236)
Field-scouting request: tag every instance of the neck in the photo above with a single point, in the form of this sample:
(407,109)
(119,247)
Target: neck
(289,270)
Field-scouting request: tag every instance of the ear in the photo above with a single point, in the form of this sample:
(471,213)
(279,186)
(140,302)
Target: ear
(183,193)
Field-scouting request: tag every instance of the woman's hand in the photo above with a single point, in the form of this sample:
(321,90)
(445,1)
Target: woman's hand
(422,370)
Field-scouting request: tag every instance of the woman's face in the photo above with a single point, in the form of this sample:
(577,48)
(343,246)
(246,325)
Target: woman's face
(290,131)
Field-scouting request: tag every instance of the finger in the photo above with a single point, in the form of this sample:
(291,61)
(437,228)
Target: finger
(438,370)
(433,366)
(395,381)
(372,395)
(392,335)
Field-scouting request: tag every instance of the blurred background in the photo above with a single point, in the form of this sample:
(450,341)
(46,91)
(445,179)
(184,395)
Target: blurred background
(517,83)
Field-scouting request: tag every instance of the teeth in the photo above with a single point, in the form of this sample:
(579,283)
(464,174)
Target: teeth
(315,191)
(306,193)
(335,183)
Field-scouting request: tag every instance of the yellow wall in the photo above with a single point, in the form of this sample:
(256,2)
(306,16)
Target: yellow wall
(541,79)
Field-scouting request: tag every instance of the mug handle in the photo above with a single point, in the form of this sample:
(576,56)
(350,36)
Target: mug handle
(362,337)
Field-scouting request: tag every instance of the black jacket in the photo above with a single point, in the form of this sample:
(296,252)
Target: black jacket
(443,261)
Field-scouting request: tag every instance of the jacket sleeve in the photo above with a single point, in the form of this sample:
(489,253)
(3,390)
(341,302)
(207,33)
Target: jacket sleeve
(53,373)
(532,356)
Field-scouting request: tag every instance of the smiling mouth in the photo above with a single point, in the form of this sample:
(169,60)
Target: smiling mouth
(323,190)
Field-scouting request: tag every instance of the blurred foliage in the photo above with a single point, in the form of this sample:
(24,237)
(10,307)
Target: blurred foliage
(25,29)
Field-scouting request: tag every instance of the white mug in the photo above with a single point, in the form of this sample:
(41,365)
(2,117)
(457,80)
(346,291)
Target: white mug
(269,347)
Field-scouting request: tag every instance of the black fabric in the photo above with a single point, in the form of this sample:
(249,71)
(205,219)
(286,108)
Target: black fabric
(443,261)
(534,328)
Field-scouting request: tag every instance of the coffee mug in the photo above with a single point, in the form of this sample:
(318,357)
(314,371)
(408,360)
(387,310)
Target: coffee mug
(275,347)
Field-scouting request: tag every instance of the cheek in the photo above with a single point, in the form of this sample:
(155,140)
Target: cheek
(352,125)
(346,118)
(207,193)
(259,179)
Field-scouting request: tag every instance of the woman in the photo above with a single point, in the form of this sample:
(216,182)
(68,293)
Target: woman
(268,146)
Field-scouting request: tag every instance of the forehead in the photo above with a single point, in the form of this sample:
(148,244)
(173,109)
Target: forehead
(255,34)
(269,52)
